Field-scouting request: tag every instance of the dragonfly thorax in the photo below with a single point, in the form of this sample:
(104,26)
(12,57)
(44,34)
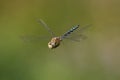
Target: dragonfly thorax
(55,42)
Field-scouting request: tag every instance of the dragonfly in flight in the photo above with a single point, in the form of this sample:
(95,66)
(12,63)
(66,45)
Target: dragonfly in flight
(55,41)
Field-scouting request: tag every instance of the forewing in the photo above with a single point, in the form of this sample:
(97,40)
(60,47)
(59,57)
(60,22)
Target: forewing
(33,38)
(46,26)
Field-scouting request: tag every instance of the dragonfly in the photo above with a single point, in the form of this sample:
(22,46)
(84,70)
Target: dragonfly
(55,41)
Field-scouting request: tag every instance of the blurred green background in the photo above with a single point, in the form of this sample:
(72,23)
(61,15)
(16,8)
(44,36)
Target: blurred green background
(96,58)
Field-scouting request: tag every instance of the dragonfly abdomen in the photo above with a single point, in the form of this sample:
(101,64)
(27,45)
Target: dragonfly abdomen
(69,32)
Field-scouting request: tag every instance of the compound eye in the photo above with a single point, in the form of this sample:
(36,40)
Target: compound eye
(50,45)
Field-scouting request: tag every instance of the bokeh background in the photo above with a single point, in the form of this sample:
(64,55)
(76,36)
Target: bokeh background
(96,58)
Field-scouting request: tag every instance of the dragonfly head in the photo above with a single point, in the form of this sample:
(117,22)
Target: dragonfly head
(51,45)
(55,42)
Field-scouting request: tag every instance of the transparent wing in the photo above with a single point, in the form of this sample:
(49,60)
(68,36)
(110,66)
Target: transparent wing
(76,38)
(84,28)
(46,26)
(78,34)
(33,38)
